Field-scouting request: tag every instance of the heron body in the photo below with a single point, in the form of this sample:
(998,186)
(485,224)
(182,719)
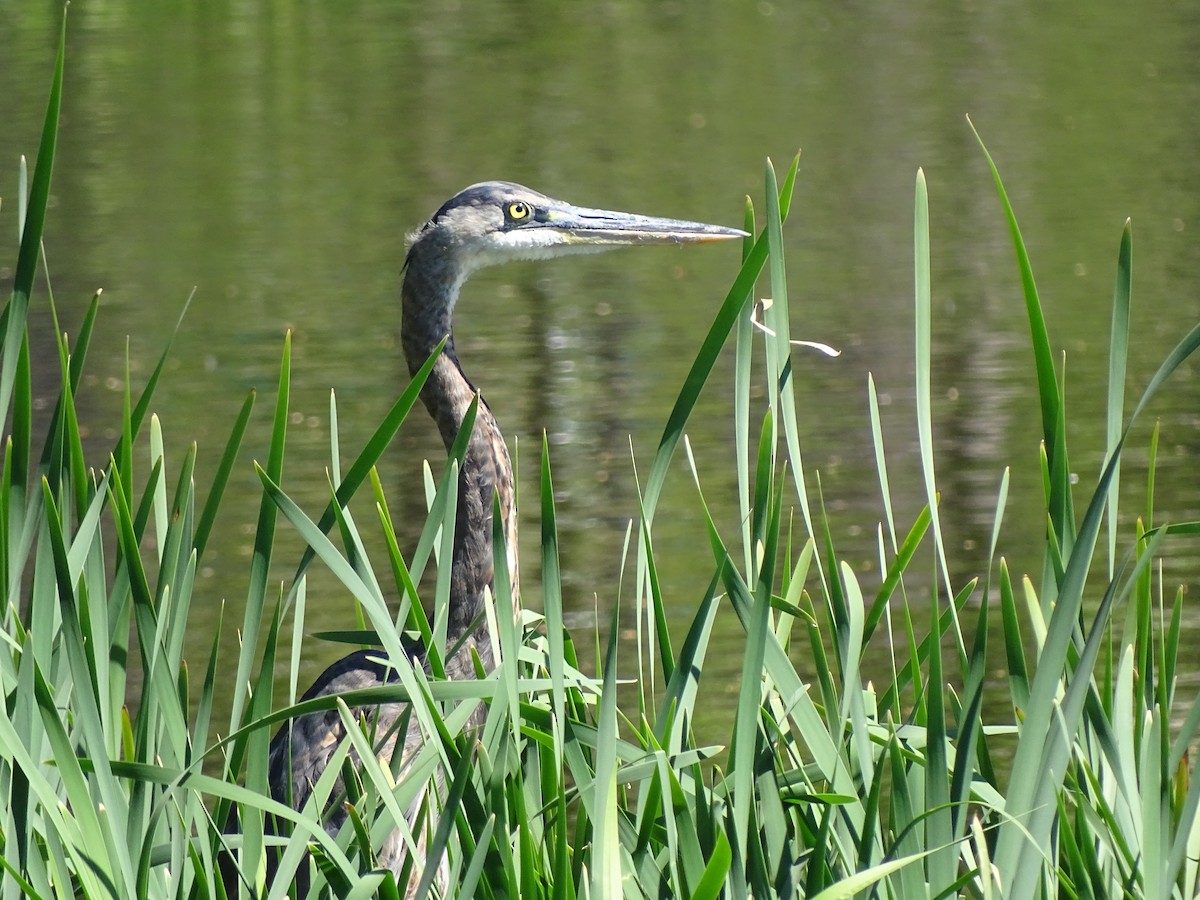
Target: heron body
(486,224)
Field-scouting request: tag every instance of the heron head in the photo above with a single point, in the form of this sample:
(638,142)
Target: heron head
(497,221)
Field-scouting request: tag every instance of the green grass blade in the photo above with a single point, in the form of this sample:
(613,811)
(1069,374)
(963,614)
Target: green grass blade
(19,522)
(745,735)
(662,635)
(1048,391)
(942,864)
(680,696)
(12,324)
(716,870)
(1185,348)
(138,414)
(735,301)
(264,539)
(76,361)
(552,600)
(221,480)
(1118,354)
(365,591)
(896,571)
(374,449)
(411,613)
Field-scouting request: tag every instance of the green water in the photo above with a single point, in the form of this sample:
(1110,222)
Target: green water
(272,156)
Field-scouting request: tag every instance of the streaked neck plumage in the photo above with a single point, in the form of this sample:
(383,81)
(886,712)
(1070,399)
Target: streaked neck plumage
(430,290)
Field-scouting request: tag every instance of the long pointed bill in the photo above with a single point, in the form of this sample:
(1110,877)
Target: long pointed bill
(604,227)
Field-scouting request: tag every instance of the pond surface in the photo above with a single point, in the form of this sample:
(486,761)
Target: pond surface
(272,157)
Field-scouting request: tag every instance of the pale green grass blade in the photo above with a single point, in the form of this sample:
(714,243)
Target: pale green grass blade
(854,709)
(744,359)
(1170,654)
(860,881)
(687,821)
(902,818)
(1153,811)
(159,496)
(606,852)
(1150,473)
(441,595)
(970,749)
(923,316)
(778,346)
(204,708)
(870,844)
(254,747)
(880,458)
(504,626)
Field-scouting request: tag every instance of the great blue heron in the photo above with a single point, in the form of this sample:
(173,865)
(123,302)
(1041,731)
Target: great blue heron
(485,224)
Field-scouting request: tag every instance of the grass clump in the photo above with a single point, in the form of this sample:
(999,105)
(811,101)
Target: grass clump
(832,787)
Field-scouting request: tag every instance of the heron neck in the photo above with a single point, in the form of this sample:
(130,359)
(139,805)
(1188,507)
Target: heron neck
(428,304)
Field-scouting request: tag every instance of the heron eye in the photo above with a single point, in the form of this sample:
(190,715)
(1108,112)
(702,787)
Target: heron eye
(519,210)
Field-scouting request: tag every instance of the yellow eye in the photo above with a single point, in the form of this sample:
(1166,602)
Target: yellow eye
(519,210)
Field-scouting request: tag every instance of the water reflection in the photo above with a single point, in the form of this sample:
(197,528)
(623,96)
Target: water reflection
(274,156)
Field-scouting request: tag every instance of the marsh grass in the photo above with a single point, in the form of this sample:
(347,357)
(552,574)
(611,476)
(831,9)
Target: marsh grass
(836,787)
